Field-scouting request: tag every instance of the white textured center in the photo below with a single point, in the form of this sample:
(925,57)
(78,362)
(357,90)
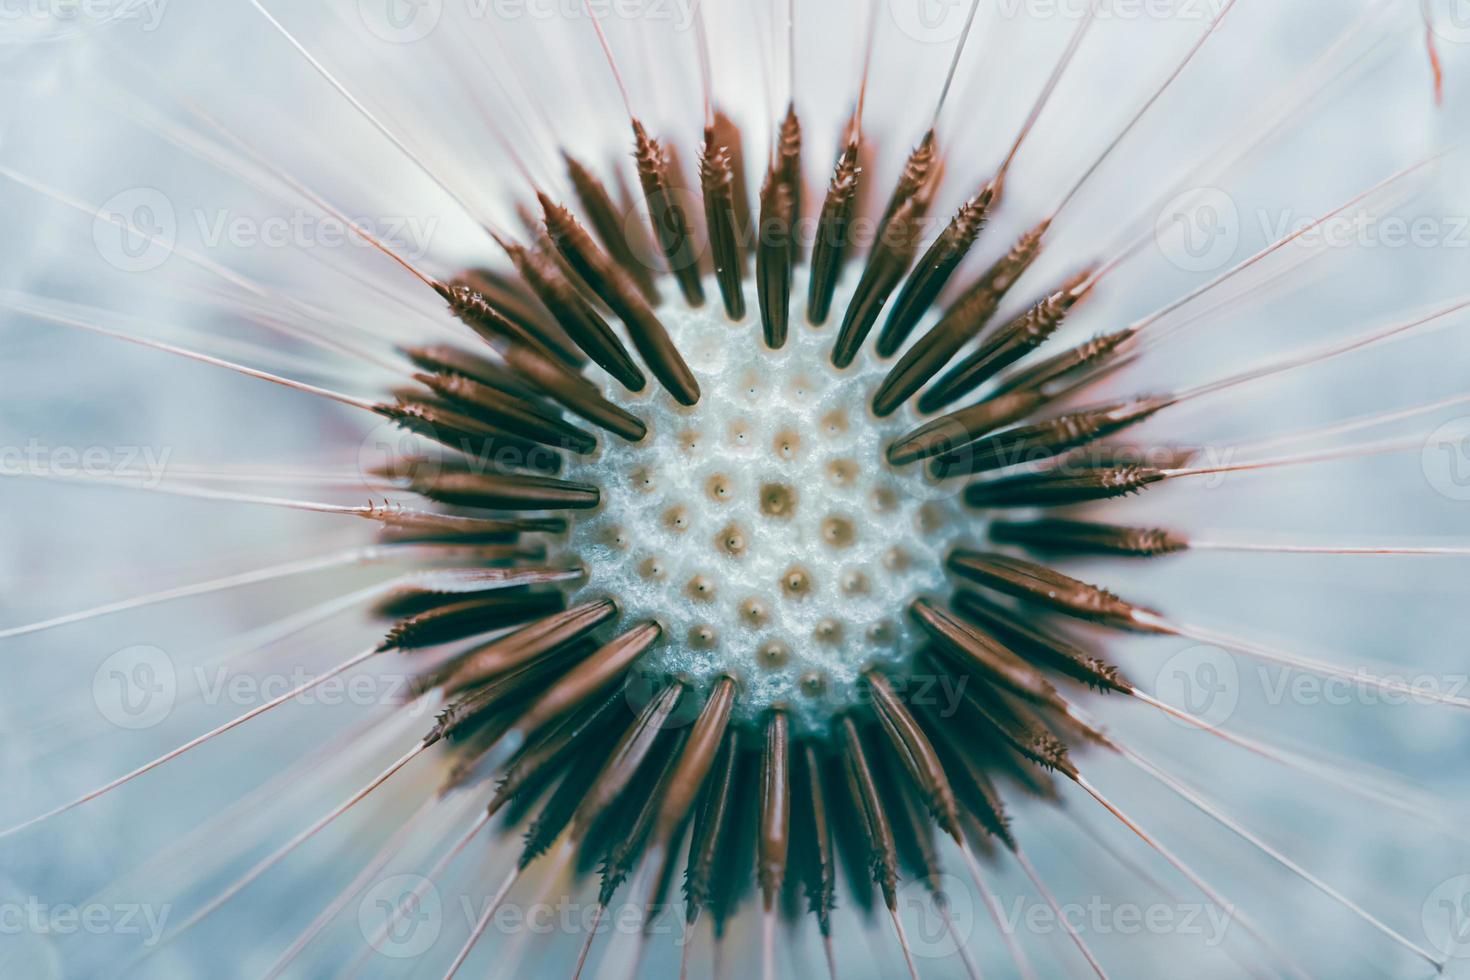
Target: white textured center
(763,527)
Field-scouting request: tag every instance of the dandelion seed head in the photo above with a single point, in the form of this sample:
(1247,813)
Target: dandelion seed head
(914,715)
(763,527)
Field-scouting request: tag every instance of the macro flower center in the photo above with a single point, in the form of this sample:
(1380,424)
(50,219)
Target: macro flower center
(763,527)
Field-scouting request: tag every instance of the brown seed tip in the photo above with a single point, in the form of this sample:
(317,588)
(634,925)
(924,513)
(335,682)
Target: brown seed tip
(1089,537)
(1045,586)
